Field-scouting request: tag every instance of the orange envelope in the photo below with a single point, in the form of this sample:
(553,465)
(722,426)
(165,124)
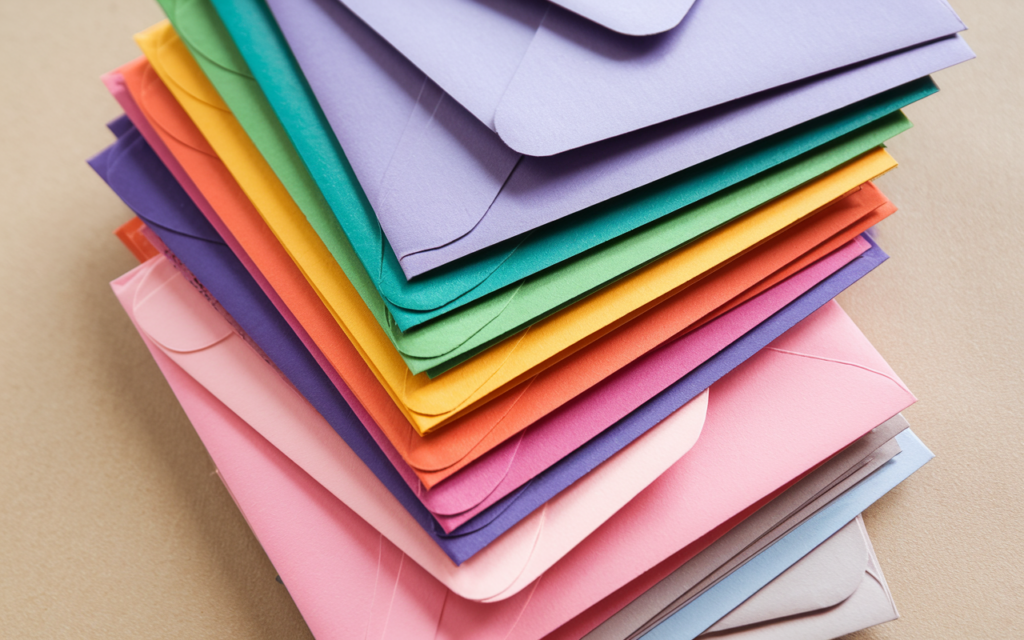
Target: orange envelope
(438,455)
(431,403)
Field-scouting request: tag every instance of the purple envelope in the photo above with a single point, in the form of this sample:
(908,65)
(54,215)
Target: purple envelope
(135,172)
(443,184)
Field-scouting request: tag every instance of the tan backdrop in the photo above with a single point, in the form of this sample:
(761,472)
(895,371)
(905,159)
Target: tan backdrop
(112,523)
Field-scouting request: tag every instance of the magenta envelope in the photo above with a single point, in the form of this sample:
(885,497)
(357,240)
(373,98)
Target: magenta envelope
(809,394)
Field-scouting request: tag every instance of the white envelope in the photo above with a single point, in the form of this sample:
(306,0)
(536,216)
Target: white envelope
(836,589)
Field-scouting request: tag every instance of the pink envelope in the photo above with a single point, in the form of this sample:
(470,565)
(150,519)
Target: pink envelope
(806,396)
(178,321)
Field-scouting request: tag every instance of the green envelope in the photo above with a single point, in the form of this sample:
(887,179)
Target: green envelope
(544,267)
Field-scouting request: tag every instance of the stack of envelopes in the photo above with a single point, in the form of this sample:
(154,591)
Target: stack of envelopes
(513,319)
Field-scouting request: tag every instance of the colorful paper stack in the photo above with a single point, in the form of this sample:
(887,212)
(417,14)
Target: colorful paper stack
(514,319)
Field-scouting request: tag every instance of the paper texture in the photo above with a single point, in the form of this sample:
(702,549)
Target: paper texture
(432,458)
(641,18)
(422,166)
(519,460)
(448,340)
(662,591)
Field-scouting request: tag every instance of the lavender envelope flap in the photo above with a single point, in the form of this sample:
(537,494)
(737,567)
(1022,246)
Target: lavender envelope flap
(406,122)
(636,18)
(570,82)
(825,578)
(535,193)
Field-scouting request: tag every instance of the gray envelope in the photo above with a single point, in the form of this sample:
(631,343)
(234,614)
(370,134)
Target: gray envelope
(756,533)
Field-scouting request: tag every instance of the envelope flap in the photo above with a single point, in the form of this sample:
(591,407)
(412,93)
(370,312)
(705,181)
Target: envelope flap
(160,108)
(157,308)
(636,18)
(824,578)
(452,497)
(131,168)
(198,24)
(579,84)
(164,48)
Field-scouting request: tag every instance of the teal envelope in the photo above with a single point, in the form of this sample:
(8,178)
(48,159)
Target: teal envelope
(472,305)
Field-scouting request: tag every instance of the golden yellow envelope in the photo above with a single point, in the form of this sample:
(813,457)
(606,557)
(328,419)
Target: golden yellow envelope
(429,404)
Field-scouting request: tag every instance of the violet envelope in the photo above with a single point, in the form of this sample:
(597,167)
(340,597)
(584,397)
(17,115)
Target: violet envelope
(175,318)
(548,81)
(442,185)
(485,527)
(834,590)
(342,562)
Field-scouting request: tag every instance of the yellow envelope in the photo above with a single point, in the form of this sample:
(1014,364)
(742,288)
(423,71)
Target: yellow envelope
(429,404)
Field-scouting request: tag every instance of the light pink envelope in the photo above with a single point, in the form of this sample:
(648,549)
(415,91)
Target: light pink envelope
(180,322)
(809,394)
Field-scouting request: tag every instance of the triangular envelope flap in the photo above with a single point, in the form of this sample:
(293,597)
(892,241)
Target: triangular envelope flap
(138,176)
(452,497)
(806,339)
(163,111)
(172,54)
(198,24)
(604,84)
(157,304)
(824,578)
(425,151)
(120,125)
(428,454)
(636,18)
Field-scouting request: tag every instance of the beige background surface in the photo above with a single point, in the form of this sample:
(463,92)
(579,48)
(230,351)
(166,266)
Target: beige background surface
(112,523)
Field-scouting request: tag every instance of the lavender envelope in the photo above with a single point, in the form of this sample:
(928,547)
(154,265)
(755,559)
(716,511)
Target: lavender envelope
(443,185)
(547,81)
(147,187)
